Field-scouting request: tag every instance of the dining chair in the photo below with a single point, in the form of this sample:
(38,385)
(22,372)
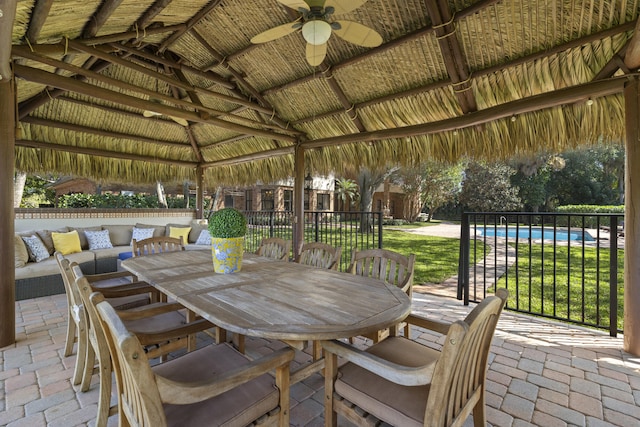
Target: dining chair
(275,247)
(160,327)
(214,386)
(392,267)
(321,255)
(404,383)
(115,280)
(156,245)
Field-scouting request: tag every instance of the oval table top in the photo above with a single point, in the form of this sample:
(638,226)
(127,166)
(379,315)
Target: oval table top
(275,299)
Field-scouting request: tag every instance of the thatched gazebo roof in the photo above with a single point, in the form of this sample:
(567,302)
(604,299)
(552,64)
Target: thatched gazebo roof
(456,78)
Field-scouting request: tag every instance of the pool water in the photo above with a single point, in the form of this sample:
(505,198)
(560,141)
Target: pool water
(535,233)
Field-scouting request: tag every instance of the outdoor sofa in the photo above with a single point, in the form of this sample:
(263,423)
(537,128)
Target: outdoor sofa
(42,278)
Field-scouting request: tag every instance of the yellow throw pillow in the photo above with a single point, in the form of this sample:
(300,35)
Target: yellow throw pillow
(178,232)
(66,243)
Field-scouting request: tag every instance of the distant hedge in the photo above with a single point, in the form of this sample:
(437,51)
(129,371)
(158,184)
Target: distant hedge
(589,221)
(119,201)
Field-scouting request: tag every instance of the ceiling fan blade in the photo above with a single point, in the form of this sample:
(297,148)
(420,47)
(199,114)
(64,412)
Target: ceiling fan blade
(149,113)
(359,34)
(295,4)
(344,6)
(316,53)
(275,33)
(180,121)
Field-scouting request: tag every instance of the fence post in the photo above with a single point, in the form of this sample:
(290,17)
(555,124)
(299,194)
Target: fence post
(379,214)
(463,263)
(613,277)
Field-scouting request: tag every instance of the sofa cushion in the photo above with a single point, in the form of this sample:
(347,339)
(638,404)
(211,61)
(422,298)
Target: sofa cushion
(180,232)
(158,230)
(66,243)
(120,235)
(50,266)
(139,234)
(45,236)
(84,244)
(196,230)
(37,250)
(21,252)
(98,239)
(112,252)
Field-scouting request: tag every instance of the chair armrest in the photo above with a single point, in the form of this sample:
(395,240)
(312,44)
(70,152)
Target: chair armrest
(399,374)
(433,325)
(149,310)
(173,333)
(125,290)
(178,393)
(112,275)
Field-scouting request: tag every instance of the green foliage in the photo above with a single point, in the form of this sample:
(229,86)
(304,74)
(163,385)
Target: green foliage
(347,189)
(589,221)
(487,188)
(118,201)
(227,223)
(36,192)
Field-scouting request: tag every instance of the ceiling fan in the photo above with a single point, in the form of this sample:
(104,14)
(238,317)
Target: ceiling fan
(317,25)
(150,113)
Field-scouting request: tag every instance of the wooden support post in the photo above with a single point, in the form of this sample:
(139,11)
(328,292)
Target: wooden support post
(298,199)
(7,147)
(632,219)
(199,192)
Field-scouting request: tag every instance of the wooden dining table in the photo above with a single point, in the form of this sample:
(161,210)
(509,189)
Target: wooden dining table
(273,299)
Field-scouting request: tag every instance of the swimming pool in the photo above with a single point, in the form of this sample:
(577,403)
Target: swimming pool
(535,233)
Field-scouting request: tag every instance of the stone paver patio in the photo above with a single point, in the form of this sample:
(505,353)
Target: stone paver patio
(541,373)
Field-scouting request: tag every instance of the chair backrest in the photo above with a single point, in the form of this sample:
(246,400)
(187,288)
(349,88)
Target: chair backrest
(156,245)
(73,298)
(459,375)
(392,267)
(138,396)
(275,247)
(321,255)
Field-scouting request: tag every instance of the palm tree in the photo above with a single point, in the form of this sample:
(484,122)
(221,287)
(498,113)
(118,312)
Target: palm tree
(346,189)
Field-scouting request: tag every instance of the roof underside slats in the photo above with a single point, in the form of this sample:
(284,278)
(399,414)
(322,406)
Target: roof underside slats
(439,87)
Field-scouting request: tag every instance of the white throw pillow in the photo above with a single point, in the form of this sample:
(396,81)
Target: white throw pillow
(141,234)
(98,239)
(204,238)
(37,250)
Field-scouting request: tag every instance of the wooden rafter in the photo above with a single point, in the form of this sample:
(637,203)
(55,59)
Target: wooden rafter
(39,15)
(632,57)
(43,77)
(454,61)
(106,9)
(190,24)
(154,10)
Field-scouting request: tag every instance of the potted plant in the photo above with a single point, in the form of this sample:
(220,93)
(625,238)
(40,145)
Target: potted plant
(227,227)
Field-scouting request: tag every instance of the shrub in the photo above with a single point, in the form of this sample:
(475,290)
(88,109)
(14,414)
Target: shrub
(227,223)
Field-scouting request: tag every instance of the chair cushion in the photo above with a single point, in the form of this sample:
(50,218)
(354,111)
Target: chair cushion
(66,243)
(237,407)
(396,404)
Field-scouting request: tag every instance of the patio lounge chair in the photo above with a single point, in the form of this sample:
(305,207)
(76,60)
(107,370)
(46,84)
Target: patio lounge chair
(405,383)
(213,386)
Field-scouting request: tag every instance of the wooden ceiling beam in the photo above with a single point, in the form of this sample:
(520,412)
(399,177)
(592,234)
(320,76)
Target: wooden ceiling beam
(520,106)
(154,10)
(39,15)
(24,52)
(632,57)
(102,153)
(239,78)
(190,24)
(43,77)
(283,151)
(8,8)
(138,35)
(454,61)
(195,100)
(106,9)
(99,132)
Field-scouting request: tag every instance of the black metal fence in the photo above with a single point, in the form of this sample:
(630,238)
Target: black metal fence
(567,267)
(361,230)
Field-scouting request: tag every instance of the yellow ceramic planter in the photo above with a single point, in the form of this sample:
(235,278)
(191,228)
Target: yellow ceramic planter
(227,254)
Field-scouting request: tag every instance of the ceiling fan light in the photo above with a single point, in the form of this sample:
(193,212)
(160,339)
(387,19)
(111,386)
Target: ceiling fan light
(316,32)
